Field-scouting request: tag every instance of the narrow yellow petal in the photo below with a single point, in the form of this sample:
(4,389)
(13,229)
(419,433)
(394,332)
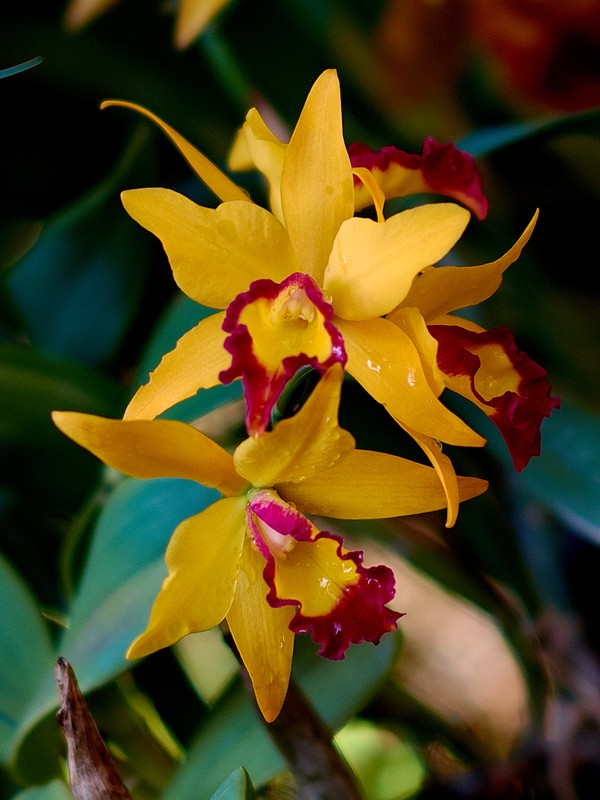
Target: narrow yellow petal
(302,445)
(194,364)
(81,12)
(262,634)
(377,195)
(317,189)
(444,469)
(192,18)
(410,320)
(203,561)
(439,290)
(373,264)
(214,253)
(158,448)
(385,361)
(267,153)
(368,485)
(209,173)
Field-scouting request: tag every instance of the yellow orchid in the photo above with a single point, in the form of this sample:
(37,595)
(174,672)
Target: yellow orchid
(252,557)
(192,16)
(364,268)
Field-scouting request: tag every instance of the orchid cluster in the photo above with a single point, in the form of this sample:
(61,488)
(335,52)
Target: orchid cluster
(322,279)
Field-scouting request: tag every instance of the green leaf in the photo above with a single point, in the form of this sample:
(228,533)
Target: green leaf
(238,786)
(122,576)
(25,652)
(485,141)
(55,790)
(234,734)
(34,456)
(565,478)
(79,286)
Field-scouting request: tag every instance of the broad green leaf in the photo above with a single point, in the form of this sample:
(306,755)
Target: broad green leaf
(34,455)
(485,141)
(121,578)
(238,786)
(25,653)
(565,478)
(78,287)
(234,734)
(55,790)
(182,315)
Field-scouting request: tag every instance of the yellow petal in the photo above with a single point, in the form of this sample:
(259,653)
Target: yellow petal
(214,253)
(373,264)
(372,189)
(203,561)
(368,485)
(302,445)
(317,189)
(209,173)
(444,469)
(412,323)
(439,290)
(158,448)
(192,18)
(266,152)
(194,364)
(81,12)
(385,361)
(262,634)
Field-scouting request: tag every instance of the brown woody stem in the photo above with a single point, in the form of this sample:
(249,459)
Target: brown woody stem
(305,743)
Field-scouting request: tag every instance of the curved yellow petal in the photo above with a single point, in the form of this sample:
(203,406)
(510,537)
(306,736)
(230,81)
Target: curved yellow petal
(444,469)
(372,189)
(192,18)
(194,364)
(158,448)
(266,152)
(209,173)
(317,189)
(262,634)
(214,253)
(203,561)
(302,445)
(439,290)
(373,264)
(410,320)
(385,361)
(368,485)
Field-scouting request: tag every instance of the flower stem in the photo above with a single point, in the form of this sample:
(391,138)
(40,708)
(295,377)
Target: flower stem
(306,744)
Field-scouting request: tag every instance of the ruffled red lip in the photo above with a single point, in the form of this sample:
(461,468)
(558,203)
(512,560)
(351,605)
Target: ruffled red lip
(517,414)
(274,329)
(352,597)
(441,169)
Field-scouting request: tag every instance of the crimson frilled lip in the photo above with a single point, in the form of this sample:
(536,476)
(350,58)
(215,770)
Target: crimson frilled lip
(253,557)
(274,329)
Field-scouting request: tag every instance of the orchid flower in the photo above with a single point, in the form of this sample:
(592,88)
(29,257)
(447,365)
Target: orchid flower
(365,270)
(362,268)
(252,557)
